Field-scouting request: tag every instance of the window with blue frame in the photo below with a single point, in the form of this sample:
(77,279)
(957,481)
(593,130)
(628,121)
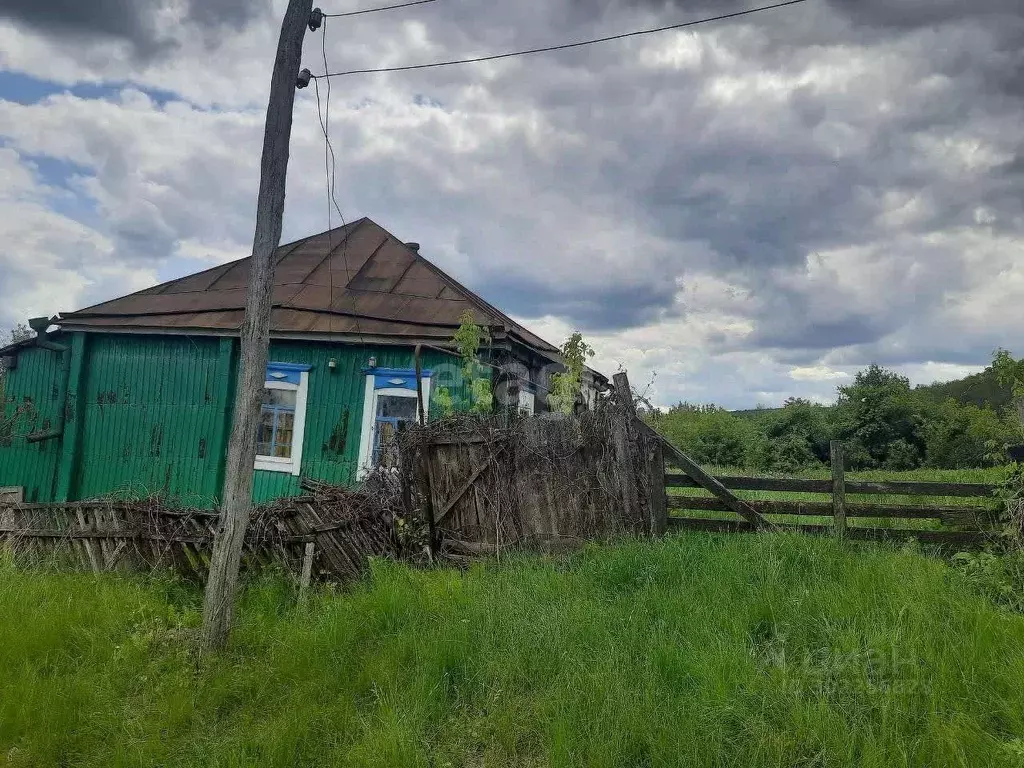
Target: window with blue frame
(392,410)
(282,418)
(390,401)
(277,423)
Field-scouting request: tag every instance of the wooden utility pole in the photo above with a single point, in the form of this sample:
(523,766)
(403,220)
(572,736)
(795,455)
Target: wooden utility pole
(222,583)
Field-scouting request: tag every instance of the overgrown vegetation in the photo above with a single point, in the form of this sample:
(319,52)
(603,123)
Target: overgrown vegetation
(468,339)
(883,422)
(565,386)
(697,650)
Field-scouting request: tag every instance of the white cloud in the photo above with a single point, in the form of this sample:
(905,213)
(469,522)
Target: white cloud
(817,373)
(751,211)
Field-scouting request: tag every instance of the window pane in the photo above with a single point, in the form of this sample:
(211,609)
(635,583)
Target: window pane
(276,427)
(397,407)
(283,436)
(285,397)
(265,432)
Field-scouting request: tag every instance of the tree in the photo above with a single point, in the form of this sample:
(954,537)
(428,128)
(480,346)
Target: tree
(709,434)
(1010,373)
(881,421)
(960,436)
(795,436)
(565,386)
(468,339)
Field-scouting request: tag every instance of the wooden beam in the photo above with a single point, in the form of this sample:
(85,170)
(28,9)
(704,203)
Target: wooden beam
(428,480)
(625,446)
(706,481)
(801,485)
(948,515)
(656,489)
(307,571)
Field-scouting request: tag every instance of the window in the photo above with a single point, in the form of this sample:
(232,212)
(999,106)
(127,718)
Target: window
(527,402)
(282,418)
(390,400)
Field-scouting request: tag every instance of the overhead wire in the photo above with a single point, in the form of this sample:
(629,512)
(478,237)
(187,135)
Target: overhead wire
(375,10)
(329,155)
(331,173)
(561,47)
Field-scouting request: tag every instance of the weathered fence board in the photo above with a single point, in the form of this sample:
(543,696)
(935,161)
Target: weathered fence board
(981,520)
(949,515)
(802,485)
(345,528)
(547,481)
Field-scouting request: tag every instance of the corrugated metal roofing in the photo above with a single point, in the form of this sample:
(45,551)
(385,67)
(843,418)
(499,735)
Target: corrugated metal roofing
(358,279)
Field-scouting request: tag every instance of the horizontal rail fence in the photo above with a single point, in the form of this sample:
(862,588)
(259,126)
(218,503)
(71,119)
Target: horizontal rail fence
(970,524)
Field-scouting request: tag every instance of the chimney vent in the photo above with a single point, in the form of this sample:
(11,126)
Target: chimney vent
(415,247)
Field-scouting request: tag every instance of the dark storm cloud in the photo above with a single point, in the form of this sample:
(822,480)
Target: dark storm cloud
(128,20)
(601,309)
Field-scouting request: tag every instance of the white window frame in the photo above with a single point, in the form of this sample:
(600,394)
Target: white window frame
(527,402)
(370,417)
(293,464)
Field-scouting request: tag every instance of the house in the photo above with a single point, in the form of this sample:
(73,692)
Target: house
(135,395)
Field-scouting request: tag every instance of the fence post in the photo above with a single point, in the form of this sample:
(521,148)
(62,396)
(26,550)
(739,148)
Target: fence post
(307,571)
(656,492)
(625,447)
(838,489)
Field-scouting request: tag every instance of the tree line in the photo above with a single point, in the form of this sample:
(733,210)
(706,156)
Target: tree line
(883,422)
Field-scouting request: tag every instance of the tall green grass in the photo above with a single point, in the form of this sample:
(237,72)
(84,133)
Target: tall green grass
(698,650)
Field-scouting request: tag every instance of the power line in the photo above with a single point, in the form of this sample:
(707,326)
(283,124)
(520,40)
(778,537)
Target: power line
(374,10)
(562,47)
(331,173)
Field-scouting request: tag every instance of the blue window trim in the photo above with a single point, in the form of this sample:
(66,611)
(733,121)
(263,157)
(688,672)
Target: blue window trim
(395,378)
(289,373)
(397,372)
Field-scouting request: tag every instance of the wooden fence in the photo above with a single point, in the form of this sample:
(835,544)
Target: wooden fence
(549,482)
(965,525)
(329,532)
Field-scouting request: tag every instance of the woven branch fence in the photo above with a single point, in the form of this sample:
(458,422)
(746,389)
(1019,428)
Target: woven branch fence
(547,482)
(345,527)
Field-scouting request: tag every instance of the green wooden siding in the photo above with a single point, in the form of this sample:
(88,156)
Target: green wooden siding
(30,394)
(151,415)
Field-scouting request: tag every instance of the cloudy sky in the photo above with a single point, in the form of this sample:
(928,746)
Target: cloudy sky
(746,210)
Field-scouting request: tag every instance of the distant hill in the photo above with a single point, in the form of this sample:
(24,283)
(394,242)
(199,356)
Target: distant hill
(977,389)
(753,413)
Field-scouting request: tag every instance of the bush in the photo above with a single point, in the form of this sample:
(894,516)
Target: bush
(958,436)
(710,435)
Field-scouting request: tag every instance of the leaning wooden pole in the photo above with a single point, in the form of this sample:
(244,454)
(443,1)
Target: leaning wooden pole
(222,583)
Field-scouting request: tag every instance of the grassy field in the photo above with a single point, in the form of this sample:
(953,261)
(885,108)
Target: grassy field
(992,475)
(698,650)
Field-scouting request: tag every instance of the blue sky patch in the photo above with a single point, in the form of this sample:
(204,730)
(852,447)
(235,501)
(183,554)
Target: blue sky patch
(25,89)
